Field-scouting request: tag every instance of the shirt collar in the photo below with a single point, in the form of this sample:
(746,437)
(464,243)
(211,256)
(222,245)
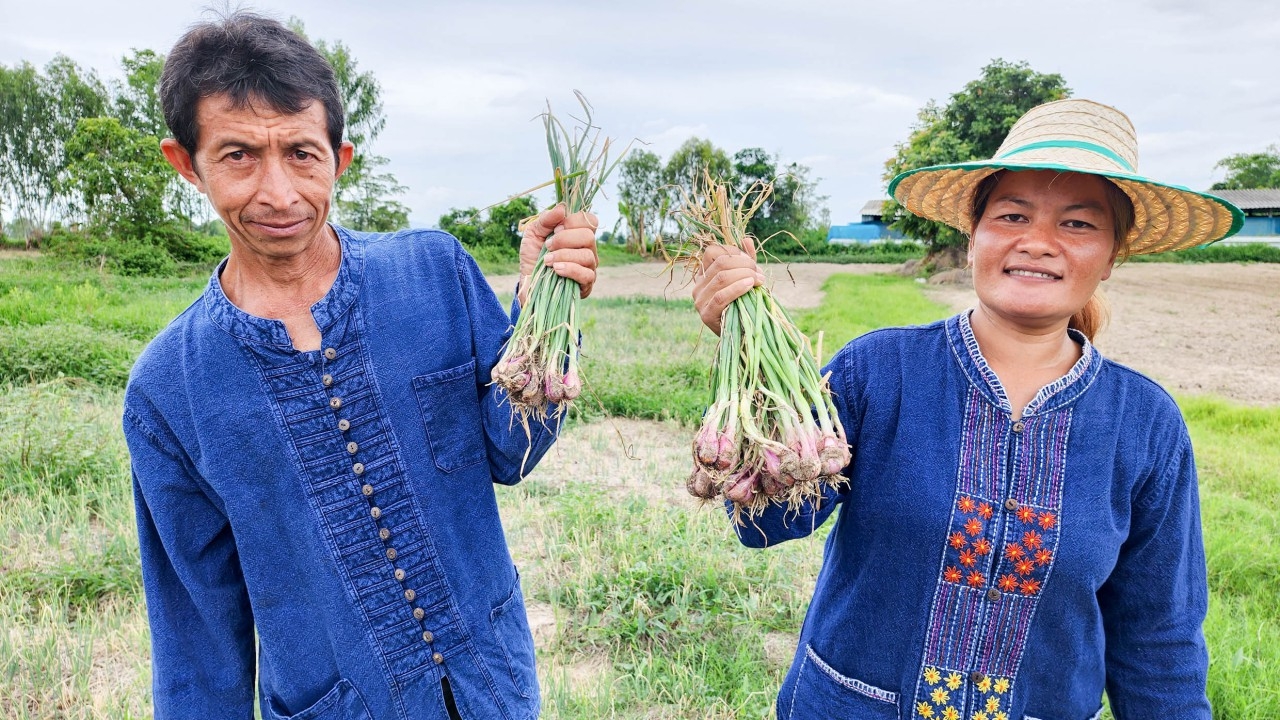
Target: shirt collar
(326,310)
(1055,395)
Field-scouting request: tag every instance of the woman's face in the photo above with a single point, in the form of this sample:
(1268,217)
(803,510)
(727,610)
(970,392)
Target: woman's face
(1043,243)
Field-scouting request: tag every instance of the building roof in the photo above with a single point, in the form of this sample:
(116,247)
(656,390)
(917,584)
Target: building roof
(1261,199)
(874,208)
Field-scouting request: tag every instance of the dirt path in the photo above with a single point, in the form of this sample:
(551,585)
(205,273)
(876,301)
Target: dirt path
(1205,328)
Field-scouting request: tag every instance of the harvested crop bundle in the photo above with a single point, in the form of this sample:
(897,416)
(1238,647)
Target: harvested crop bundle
(539,364)
(771,434)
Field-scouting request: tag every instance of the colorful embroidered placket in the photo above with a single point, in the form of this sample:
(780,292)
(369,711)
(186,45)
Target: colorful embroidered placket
(999,551)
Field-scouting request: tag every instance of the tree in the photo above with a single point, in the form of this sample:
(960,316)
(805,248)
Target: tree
(1251,170)
(791,208)
(684,170)
(642,198)
(970,127)
(497,231)
(363,196)
(38,113)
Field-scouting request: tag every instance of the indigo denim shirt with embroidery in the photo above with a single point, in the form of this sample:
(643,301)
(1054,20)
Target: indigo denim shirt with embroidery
(339,502)
(982,568)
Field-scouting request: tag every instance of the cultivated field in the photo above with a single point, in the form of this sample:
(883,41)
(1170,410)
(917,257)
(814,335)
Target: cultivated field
(643,604)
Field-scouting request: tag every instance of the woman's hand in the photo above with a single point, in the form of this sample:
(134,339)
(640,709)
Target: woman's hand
(727,274)
(571,248)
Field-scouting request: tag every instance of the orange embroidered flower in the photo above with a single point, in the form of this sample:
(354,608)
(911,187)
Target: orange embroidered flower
(975,579)
(957,540)
(967,505)
(1013,552)
(1048,520)
(982,546)
(984,509)
(967,558)
(952,575)
(1043,556)
(1026,514)
(1031,539)
(1008,583)
(1024,567)
(1030,587)
(973,527)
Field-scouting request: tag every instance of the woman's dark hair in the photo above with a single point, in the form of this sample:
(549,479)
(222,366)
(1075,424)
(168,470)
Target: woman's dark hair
(1093,317)
(250,59)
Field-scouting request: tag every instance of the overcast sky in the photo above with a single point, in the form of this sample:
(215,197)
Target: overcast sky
(833,85)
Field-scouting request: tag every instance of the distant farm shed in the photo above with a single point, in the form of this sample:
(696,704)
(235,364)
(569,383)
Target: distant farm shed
(871,228)
(1261,212)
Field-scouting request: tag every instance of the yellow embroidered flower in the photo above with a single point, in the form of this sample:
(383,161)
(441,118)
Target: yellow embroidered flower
(924,709)
(932,676)
(978,716)
(984,685)
(939,696)
(993,704)
(954,681)
(950,714)
(1002,685)
(1000,716)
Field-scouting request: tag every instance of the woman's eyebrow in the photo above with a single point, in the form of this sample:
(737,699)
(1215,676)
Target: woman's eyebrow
(1086,205)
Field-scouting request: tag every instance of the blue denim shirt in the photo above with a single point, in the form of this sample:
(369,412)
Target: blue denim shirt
(339,502)
(983,568)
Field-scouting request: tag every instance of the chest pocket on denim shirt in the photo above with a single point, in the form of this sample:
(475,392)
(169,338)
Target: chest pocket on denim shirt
(343,702)
(451,414)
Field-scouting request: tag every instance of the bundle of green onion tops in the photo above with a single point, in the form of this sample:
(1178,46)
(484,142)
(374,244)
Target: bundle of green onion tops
(771,434)
(539,365)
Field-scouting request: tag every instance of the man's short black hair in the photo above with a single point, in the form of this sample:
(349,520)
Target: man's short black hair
(250,59)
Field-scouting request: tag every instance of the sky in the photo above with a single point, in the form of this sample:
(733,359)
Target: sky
(833,85)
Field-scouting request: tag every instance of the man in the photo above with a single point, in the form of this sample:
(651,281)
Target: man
(315,440)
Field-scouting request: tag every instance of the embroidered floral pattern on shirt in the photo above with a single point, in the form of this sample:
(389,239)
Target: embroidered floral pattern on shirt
(997,557)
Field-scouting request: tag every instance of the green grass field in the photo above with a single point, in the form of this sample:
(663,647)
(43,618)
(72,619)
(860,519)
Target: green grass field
(654,610)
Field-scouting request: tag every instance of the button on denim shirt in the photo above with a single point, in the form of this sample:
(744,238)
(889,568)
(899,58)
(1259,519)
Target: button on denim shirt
(982,568)
(339,502)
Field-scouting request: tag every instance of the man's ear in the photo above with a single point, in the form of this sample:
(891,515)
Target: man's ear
(181,161)
(346,151)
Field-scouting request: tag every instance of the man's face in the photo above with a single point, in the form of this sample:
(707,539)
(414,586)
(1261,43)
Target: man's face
(269,176)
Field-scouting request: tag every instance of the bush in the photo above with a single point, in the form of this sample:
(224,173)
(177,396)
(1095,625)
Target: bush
(155,252)
(1217,253)
(45,352)
(889,252)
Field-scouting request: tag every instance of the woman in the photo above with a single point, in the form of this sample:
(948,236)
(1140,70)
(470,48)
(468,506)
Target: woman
(1021,529)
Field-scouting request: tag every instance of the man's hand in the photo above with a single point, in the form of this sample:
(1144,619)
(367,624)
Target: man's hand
(727,274)
(571,248)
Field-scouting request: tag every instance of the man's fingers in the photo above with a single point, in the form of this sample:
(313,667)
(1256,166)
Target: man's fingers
(546,222)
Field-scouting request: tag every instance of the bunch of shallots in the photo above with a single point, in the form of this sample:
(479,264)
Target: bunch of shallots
(539,365)
(772,433)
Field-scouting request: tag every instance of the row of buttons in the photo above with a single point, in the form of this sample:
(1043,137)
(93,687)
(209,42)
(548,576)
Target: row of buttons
(367,490)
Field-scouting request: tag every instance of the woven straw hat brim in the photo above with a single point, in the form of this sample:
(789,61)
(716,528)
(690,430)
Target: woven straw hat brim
(1166,217)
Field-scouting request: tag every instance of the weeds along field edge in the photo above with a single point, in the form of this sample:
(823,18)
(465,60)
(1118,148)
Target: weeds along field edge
(642,602)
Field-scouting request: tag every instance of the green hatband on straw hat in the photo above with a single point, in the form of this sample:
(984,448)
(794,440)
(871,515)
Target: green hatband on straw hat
(1076,136)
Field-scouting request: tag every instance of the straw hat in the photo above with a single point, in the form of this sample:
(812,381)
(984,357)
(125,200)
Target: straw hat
(1076,136)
